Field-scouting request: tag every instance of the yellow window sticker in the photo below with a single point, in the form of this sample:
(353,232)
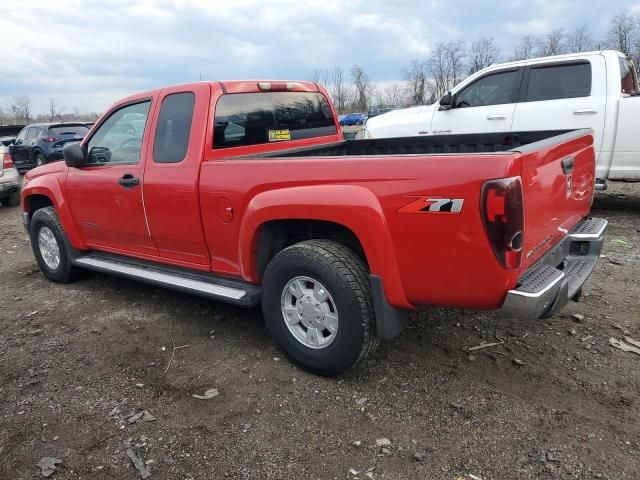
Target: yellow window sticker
(279,135)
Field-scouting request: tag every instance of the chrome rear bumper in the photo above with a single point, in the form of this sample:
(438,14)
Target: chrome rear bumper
(558,277)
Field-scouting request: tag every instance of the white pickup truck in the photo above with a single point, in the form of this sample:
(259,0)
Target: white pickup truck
(597,90)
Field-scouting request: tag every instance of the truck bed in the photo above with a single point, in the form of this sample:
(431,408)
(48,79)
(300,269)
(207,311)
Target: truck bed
(435,144)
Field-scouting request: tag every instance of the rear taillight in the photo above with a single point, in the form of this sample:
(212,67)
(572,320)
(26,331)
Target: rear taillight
(7,161)
(50,139)
(503,217)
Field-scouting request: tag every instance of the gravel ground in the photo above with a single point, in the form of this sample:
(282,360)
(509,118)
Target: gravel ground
(78,363)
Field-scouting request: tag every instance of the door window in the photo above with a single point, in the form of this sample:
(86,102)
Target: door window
(22,135)
(119,138)
(559,82)
(32,133)
(493,89)
(173,128)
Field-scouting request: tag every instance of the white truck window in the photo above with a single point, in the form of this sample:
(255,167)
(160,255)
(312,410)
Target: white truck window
(495,89)
(553,82)
(629,83)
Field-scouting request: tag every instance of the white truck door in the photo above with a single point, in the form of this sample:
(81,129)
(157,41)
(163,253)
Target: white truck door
(486,105)
(564,95)
(625,163)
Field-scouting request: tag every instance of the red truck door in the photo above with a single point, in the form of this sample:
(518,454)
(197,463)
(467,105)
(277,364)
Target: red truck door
(171,195)
(105,196)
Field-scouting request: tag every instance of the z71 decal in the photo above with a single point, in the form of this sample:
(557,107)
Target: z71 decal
(430,204)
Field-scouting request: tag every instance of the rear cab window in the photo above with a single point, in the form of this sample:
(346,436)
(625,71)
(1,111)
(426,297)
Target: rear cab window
(243,119)
(554,82)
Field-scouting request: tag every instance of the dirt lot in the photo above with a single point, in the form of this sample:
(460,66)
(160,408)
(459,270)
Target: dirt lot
(76,361)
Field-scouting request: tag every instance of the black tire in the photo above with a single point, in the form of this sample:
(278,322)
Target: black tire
(12,200)
(65,272)
(346,277)
(39,159)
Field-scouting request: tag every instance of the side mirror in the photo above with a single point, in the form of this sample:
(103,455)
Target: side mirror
(73,155)
(17,141)
(446,102)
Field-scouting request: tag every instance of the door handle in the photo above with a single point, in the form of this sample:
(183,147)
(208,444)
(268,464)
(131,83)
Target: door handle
(129,181)
(496,117)
(585,111)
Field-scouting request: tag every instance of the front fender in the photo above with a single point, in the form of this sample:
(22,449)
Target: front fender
(354,207)
(50,187)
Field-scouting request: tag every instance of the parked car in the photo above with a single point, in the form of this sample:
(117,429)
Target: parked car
(41,143)
(353,119)
(597,90)
(9,177)
(337,240)
(374,112)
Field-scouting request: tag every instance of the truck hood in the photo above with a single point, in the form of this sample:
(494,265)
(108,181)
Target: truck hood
(54,167)
(411,121)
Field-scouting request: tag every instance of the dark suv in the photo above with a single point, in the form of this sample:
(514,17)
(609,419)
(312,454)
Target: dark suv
(41,143)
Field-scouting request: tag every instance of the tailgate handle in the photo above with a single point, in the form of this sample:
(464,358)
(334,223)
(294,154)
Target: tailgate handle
(568,164)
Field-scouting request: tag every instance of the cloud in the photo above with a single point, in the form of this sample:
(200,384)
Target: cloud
(90,53)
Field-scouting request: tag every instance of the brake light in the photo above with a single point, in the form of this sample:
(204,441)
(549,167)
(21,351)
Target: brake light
(503,217)
(7,161)
(51,139)
(277,86)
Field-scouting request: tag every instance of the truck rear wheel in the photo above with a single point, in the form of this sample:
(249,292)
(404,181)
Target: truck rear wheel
(316,300)
(48,242)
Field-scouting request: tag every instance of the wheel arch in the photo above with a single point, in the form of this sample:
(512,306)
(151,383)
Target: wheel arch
(36,197)
(349,214)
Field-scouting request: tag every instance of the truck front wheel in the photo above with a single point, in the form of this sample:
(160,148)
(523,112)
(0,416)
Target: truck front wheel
(48,242)
(316,301)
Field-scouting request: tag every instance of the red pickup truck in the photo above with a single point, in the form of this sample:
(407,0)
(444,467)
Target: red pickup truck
(246,192)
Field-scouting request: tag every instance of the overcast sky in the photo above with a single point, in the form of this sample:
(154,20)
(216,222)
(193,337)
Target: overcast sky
(90,53)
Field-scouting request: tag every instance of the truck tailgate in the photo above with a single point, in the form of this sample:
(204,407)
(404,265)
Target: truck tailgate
(558,177)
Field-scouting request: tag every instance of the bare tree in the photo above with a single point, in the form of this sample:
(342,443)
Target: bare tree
(321,76)
(526,48)
(393,94)
(579,40)
(363,89)
(21,108)
(552,43)
(340,92)
(482,54)
(55,111)
(623,31)
(447,66)
(416,80)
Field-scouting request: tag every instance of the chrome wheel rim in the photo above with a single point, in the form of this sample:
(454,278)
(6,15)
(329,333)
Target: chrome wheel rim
(309,312)
(49,248)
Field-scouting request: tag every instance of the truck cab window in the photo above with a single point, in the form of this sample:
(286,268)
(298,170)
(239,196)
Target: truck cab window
(173,128)
(493,89)
(119,138)
(254,118)
(559,81)
(629,83)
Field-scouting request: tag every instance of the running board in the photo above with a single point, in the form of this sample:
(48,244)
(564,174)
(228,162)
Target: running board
(188,281)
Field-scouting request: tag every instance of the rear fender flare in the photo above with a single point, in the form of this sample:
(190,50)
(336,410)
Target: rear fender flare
(353,207)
